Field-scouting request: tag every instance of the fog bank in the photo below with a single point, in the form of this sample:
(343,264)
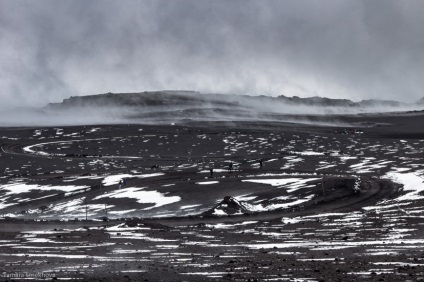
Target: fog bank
(173,107)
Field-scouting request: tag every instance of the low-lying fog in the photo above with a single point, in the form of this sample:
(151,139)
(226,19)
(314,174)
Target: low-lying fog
(227,108)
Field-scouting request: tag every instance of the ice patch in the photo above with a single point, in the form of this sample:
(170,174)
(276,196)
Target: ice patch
(307,153)
(20,188)
(214,170)
(291,184)
(142,196)
(259,207)
(207,182)
(189,207)
(114,179)
(411,183)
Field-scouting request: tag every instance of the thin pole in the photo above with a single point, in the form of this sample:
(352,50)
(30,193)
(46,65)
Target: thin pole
(107,219)
(322,184)
(86,209)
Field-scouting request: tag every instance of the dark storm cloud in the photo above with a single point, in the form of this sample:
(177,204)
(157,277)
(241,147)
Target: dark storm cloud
(50,50)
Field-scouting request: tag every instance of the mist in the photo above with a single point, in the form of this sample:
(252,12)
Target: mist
(50,50)
(183,107)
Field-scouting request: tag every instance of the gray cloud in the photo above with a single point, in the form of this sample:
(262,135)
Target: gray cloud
(50,50)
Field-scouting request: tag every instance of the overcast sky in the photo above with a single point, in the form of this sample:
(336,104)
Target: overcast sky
(50,50)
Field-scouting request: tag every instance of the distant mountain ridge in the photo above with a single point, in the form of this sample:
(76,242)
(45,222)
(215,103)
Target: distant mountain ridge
(172,107)
(330,102)
(193,98)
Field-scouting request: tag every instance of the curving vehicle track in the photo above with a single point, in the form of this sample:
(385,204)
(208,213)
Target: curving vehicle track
(372,189)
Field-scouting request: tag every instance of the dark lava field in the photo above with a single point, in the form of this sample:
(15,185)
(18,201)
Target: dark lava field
(215,201)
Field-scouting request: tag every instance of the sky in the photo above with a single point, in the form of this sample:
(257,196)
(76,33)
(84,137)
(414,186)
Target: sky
(350,49)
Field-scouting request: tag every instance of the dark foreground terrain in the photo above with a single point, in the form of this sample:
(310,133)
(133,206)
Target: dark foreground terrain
(301,203)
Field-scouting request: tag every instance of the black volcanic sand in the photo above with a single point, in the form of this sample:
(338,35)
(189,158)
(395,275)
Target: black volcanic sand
(358,222)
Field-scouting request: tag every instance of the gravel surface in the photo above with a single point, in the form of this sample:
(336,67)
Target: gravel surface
(301,203)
